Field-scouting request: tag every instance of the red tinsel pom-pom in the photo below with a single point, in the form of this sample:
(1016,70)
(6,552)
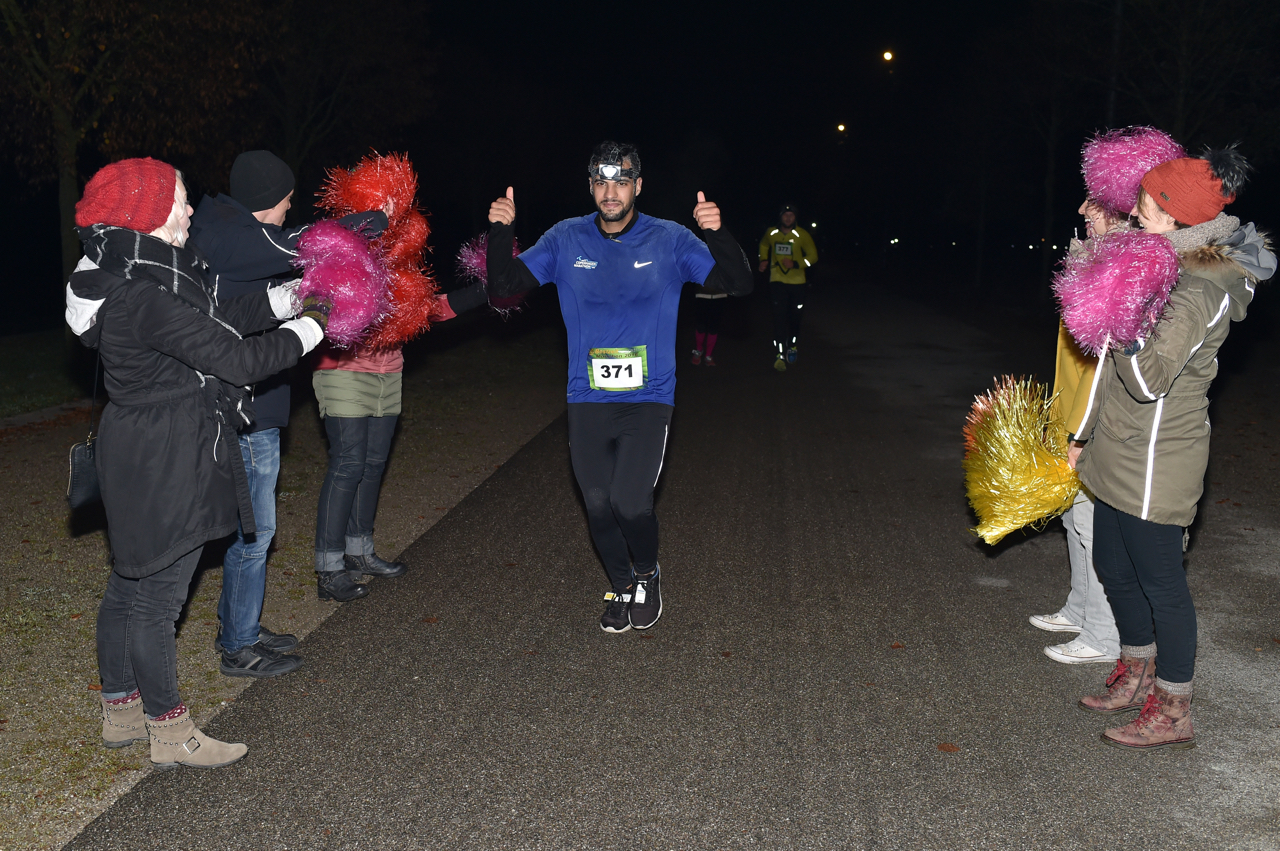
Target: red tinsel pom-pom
(413,303)
(402,243)
(389,182)
(370,185)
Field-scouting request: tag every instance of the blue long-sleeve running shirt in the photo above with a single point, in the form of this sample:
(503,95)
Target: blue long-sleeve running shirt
(620,298)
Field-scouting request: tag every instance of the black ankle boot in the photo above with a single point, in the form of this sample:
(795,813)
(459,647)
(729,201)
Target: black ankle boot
(371,565)
(338,585)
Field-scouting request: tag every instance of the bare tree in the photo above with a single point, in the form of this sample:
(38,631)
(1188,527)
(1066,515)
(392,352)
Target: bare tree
(118,77)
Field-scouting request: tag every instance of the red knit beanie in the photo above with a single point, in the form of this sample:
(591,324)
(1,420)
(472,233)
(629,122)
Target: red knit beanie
(1187,189)
(136,194)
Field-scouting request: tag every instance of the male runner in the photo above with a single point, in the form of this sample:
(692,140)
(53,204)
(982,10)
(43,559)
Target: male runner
(786,252)
(619,274)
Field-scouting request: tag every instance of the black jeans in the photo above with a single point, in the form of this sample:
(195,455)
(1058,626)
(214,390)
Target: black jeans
(1140,565)
(136,644)
(787,301)
(358,450)
(617,451)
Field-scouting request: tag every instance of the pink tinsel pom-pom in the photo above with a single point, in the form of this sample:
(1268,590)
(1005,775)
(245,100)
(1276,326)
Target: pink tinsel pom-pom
(473,259)
(338,265)
(1115,292)
(1115,162)
(473,265)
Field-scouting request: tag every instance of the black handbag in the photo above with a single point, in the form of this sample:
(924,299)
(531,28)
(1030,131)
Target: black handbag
(82,477)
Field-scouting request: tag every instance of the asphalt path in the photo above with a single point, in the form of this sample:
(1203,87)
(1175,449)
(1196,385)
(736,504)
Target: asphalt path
(840,662)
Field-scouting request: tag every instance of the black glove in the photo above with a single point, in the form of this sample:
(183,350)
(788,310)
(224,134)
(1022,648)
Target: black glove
(318,309)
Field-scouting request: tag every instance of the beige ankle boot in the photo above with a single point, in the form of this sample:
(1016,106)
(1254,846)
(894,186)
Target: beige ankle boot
(123,723)
(177,742)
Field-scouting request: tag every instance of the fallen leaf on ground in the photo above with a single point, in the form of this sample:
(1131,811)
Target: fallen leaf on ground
(430,620)
(95,687)
(947,747)
(897,645)
(726,654)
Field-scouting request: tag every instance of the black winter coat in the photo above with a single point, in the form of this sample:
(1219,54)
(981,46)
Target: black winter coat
(163,457)
(248,256)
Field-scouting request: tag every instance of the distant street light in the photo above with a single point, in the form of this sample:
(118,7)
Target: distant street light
(888,56)
(840,127)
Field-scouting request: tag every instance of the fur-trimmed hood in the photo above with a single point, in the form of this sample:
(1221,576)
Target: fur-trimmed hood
(1235,265)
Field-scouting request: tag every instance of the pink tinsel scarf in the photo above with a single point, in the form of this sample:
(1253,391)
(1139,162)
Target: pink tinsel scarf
(1114,292)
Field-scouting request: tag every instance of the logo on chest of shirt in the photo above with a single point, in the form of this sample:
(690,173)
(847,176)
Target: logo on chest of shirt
(584,263)
(640,265)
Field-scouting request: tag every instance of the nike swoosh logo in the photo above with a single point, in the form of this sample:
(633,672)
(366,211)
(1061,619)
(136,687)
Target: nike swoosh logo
(645,263)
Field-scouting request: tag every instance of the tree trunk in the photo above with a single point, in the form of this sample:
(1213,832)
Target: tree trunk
(66,141)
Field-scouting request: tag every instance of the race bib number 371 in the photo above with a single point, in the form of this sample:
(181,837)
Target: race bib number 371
(619,368)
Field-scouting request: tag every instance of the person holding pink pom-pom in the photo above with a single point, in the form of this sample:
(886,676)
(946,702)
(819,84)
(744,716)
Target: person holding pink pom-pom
(1148,438)
(1113,164)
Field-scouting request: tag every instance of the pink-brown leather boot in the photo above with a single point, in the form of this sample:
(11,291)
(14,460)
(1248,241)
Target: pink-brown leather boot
(1127,687)
(1165,722)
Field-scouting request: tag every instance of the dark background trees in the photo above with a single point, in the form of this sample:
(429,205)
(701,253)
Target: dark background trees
(963,148)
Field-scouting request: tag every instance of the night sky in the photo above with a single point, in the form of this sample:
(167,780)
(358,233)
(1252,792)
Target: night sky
(740,100)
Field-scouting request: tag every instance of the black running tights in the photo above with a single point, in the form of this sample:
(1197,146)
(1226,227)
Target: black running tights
(617,451)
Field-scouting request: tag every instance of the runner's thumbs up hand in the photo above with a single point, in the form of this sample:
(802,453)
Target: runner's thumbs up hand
(504,209)
(706,213)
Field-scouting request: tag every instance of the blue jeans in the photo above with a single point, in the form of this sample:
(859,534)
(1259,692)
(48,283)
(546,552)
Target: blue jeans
(244,569)
(136,644)
(358,450)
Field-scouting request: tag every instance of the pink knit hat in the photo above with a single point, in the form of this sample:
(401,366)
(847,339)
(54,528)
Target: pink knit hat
(136,194)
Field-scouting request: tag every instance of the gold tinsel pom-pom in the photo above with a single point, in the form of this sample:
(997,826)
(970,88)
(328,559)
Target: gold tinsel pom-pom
(1015,460)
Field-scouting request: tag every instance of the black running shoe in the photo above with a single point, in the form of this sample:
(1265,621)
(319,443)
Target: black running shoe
(646,601)
(615,618)
(257,661)
(278,642)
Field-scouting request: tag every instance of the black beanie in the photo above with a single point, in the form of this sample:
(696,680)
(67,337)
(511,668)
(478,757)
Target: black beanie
(260,180)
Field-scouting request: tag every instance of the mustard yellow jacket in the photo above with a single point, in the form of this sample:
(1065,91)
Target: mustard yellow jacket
(794,243)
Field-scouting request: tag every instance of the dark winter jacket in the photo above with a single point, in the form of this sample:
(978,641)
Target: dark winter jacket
(247,256)
(1148,413)
(163,455)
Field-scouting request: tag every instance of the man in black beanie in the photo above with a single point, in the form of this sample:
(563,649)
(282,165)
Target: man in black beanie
(249,250)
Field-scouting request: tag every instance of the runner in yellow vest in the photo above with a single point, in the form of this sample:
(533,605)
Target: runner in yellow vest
(786,252)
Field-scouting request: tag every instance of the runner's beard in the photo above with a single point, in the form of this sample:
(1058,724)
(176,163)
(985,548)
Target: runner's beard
(618,216)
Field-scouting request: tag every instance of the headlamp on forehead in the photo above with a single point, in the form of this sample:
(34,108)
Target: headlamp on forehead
(612,171)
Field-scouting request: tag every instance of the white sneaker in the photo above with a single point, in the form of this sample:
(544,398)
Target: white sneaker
(1076,652)
(1053,623)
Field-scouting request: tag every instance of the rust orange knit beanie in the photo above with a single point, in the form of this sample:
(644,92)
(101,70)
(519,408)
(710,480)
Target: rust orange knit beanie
(1187,189)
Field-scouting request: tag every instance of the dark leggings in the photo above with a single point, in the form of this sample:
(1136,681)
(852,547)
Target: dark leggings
(358,450)
(787,301)
(617,451)
(136,644)
(707,313)
(1140,565)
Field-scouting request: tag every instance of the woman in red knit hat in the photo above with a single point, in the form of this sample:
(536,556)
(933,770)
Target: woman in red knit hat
(1149,442)
(168,460)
